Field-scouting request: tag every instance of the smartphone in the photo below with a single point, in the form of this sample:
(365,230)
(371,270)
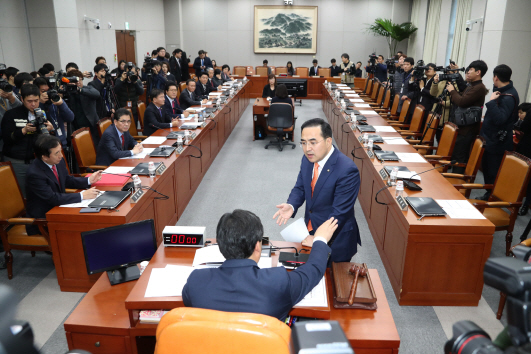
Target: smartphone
(90,210)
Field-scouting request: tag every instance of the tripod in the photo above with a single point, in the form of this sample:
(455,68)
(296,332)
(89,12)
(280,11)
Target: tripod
(441,99)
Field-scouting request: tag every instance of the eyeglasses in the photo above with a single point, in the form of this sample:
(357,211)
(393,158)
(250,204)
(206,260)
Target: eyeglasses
(312,143)
(125,121)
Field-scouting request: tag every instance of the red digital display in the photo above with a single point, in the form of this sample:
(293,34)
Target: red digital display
(183,240)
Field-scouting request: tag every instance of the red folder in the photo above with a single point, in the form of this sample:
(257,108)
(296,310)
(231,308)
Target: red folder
(111,180)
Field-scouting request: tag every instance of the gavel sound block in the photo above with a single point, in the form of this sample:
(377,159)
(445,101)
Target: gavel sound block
(352,286)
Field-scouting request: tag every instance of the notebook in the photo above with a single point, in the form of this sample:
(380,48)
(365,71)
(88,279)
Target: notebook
(389,169)
(367,129)
(162,151)
(143,168)
(375,138)
(386,155)
(109,199)
(425,206)
(350,111)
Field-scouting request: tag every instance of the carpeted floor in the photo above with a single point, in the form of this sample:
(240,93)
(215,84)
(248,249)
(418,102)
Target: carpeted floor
(247,176)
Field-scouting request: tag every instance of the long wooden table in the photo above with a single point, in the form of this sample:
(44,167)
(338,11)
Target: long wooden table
(108,315)
(182,177)
(437,261)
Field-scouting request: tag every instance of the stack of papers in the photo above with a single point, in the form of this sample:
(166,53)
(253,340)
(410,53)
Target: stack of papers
(364,105)
(460,209)
(410,157)
(142,155)
(408,175)
(82,204)
(154,140)
(197,109)
(368,113)
(211,257)
(394,140)
(356,100)
(383,128)
(315,298)
(168,281)
(118,169)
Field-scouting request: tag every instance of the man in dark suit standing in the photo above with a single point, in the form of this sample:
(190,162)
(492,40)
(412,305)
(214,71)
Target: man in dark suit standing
(239,285)
(155,116)
(188,97)
(175,64)
(116,142)
(201,63)
(328,182)
(314,70)
(47,179)
(171,104)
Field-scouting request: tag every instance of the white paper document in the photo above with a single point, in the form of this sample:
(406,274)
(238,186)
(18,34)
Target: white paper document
(82,204)
(217,93)
(363,105)
(167,281)
(356,100)
(265,262)
(317,297)
(142,155)
(384,128)
(209,255)
(460,209)
(154,140)
(394,140)
(118,169)
(197,109)
(368,113)
(344,88)
(408,175)
(295,232)
(351,95)
(410,157)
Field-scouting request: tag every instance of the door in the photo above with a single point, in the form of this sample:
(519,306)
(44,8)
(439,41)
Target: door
(125,46)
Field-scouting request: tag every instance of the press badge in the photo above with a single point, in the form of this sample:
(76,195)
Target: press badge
(129,104)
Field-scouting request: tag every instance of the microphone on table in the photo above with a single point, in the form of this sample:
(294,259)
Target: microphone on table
(415,187)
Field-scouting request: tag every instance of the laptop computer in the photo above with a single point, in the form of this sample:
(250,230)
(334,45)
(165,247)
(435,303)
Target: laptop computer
(189,126)
(143,168)
(174,135)
(109,199)
(424,206)
(366,129)
(389,169)
(386,155)
(350,111)
(375,138)
(162,151)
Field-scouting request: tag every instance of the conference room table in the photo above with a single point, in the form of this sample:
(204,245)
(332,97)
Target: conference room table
(434,261)
(106,320)
(180,180)
(315,84)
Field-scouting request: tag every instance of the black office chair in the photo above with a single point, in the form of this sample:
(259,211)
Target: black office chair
(281,121)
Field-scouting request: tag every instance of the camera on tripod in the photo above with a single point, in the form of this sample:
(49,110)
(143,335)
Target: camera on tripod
(39,121)
(373,58)
(418,71)
(5,86)
(450,77)
(148,65)
(511,276)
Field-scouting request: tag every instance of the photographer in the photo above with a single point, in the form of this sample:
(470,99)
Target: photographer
(467,103)
(103,107)
(83,101)
(398,75)
(20,79)
(379,69)
(357,71)
(20,132)
(498,123)
(426,100)
(7,101)
(128,88)
(57,112)
(346,69)
(406,84)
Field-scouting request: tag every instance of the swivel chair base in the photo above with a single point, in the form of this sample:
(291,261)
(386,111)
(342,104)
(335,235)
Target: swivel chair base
(280,143)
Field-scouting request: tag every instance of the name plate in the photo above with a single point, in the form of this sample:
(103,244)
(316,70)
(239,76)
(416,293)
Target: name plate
(204,124)
(179,150)
(383,173)
(160,169)
(370,153)
(401,202)
(193,135)
(137,195)
(360,138)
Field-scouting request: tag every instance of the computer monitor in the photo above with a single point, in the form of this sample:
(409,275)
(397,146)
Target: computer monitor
(296,87)
(118,249)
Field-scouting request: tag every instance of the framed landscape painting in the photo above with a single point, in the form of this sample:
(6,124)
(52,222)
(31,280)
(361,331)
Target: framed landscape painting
(285,29)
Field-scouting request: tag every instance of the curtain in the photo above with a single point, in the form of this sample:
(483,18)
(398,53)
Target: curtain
(432,32)
(412,43)
(460,35)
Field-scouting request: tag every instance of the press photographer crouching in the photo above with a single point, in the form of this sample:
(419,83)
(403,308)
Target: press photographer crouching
(467,108)
(128,88)
(20,128)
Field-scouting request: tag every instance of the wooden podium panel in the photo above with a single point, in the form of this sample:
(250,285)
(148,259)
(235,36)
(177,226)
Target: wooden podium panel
(315,84)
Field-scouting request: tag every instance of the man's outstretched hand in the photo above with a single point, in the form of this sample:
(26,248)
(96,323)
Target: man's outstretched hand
(284,212)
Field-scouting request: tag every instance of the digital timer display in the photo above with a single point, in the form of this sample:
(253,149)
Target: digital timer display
(189,240)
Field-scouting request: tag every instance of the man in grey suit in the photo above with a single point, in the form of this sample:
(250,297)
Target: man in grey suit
(83,103)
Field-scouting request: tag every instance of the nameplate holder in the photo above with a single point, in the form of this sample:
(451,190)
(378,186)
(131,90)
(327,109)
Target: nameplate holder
(370,154)
(360,138)
(383,173)
(193,135)
(179,150)
(401,202)
(137,195)
(204,124)
(160,169)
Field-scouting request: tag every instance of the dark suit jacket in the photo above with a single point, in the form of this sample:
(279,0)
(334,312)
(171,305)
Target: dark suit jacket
(207,63)
(187,99)
(335,71)
(225,77)
(110,146)
(89,97)
(152,116)
(334,195)
(175,69)
(313,71)
(168,108)
(43,192)
(201,92)
(240,286)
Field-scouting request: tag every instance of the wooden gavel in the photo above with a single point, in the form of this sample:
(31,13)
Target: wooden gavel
(357,271)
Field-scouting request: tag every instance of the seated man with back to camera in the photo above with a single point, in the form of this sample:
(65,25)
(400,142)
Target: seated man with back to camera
(239,285)
(116,142)
(48,178)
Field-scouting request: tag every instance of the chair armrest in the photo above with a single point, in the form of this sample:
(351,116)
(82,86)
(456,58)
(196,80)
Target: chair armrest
(97,167)
(484,205)
(139,137)
(454,175)
(408,133)
(427,147)
(413,142)
(473,186)
(26,221)
(69,190)
(436,157)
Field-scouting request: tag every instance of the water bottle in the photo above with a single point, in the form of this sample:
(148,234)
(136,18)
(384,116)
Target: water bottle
(151,169)
(343,105)
(370,145)
(137,183)
(179,140)
(399,189)
(353,122)
(353,117)
(187,136)
(200,120)
(365,139)
(392,177)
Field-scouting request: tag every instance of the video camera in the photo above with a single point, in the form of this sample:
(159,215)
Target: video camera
(53,95)
(131,75)
(39,121)
(373,58)
(5,86)
(418,71)
(511,276)
(450,77)
(148,65)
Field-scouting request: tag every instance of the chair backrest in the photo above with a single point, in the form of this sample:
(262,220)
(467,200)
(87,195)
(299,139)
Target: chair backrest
(476,154)
(194,330)
(302,71)
(430,134)
(375,88)
(12,201)
(273,69)
(325,72)
(65,160)
(447,142)
(417,118)
(405,110)
(261,70)
(394,108)
(387,98)
(380,97)
(368,87)
(512,178)
(281,70)
(132,127)
(240,70)
(84,147)
(193,77)
(280,115)
(141,109)
(103,124)
(219,67)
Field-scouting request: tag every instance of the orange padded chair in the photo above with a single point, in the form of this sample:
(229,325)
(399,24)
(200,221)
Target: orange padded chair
(281,70)
(240,70)
(379,98)
(188,330)
(403,113)
(507,193)
(471,167)
(445,148)
(133,130)
(415,125)
(262,71)
(84,149)
(141,109)
(302,71)
(324,72)
(13,223)
(430,133)
(103,124)
(393,113)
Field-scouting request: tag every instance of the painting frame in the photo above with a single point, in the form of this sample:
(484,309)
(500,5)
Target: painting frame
(300,23)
